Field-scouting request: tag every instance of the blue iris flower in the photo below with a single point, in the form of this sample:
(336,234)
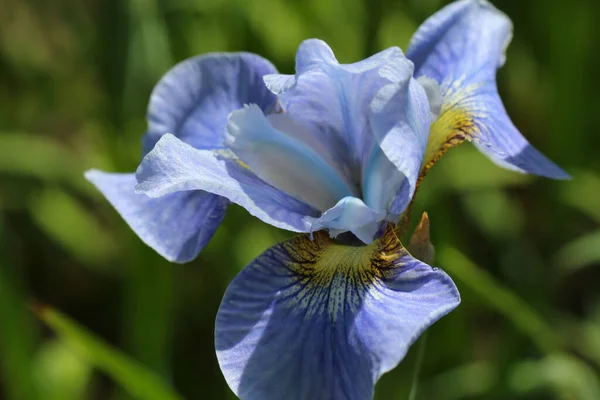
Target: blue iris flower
(333,151)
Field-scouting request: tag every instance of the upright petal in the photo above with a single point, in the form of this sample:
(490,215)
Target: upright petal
(174,166)
(332,100)
(461,47)
(399,118)
(382,184)
(284,161)
(321,321)
(192,101)
(177,225)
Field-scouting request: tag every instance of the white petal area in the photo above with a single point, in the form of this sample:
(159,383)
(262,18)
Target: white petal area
(434,95)
(283,161)
(285,123)
(382,181)
(351,215)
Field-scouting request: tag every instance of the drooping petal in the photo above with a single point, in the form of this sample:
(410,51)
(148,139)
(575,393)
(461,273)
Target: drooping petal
(174,166)
(351,214)
(332,100)
(177,226)
(321,321)
(192,101)
(461,47)
(282,160)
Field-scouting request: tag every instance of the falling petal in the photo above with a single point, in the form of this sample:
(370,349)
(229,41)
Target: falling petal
(177,226)
(312,319)
(461,47)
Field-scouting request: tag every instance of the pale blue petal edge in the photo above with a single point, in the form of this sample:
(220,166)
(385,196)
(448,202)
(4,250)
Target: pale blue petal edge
(174,166)
(176,226)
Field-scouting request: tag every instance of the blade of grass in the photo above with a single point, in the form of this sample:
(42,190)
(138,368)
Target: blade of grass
(138,381)
(461,382)
(148,317)
(46,160)
(500,298)
(565,375)
(579,253)
(418,366)
(16,339)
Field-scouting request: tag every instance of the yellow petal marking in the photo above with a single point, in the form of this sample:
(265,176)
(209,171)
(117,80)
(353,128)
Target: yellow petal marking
(329,277)
(455,124)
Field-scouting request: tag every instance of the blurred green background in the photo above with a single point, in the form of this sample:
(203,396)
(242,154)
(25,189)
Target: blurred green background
(75,77)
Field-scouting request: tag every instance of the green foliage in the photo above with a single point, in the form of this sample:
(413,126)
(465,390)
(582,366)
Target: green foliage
(140,382)
(499,298)
(74,83)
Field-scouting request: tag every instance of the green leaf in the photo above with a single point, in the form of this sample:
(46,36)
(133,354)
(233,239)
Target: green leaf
(465,168)
(16,338)
(42,158)
(563,374)
(579,253)
(396,29)
(462,382)
(282,27)
(582,335)
(138,381)
(496,213)
(60,374)
(582,193)
(63,219)
(500,298)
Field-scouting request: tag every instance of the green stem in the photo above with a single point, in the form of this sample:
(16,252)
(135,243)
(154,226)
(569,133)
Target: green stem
(419,364)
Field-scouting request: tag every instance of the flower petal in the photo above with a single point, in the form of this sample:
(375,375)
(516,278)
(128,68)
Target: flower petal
(318,320)
(192,100)
(351,214)
(282,160)
(174,166)
(461,47)
(382,186)
(400,120)
(332,100)
(177,226)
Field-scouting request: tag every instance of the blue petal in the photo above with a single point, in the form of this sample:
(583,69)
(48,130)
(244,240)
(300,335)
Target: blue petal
(174,166)
(177,226)
(400,120)
(332,101)
(192,101)
(282,160)
(351,214)
(382,186)
(461,47)
(320,321)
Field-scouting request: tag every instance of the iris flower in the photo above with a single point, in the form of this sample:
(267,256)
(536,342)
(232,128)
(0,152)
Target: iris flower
(335,152)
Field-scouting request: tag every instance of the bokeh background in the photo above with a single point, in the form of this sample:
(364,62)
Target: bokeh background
(75,77)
